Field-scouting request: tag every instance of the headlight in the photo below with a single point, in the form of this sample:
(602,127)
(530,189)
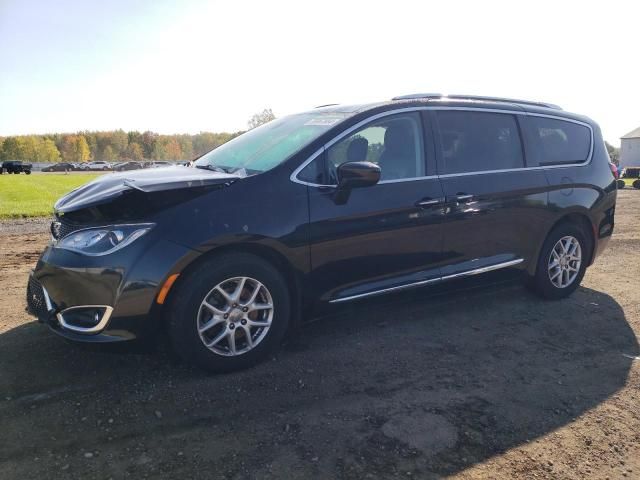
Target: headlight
(103,240)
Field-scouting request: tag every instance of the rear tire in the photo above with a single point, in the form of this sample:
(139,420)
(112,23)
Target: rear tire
(620,184)
(202,334)
(558,272)
(636,184)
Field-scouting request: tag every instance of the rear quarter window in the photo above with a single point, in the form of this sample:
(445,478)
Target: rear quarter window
(557,142)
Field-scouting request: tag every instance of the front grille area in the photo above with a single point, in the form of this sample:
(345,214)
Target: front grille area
(35,299)
(61,227)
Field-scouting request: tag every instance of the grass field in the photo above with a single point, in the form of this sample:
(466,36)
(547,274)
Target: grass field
(34,195)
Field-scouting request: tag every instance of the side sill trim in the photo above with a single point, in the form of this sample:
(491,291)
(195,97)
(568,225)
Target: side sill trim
(468,273)
(387,290)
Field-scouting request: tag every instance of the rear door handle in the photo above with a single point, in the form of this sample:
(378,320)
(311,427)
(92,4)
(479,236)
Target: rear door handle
(460,198)
(429,202)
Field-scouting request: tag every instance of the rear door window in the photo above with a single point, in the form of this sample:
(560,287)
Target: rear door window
(558,141)
(478,141)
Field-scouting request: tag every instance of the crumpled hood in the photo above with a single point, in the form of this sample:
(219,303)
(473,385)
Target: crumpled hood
(106,187)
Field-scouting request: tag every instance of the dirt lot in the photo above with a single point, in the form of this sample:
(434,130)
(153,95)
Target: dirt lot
(482,383)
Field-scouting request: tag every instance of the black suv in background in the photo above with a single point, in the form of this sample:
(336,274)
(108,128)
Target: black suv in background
(15,166)
(335,205)
(126,166)
(60,167)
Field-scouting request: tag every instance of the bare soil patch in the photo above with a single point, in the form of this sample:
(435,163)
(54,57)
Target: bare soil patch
(482,383)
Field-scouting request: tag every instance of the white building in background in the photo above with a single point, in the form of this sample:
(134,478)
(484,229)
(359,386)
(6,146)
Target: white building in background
(630,149)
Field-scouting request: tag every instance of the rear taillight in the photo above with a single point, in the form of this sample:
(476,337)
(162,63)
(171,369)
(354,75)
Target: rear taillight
(614,170)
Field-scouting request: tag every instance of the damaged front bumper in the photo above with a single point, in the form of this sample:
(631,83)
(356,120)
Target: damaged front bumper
(83,319)
(103,299)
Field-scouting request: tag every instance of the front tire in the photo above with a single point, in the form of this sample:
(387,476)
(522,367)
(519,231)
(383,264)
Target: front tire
(229,313)
(636,184)
(562,262)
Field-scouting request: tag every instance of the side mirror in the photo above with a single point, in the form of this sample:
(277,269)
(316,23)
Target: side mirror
(355,175)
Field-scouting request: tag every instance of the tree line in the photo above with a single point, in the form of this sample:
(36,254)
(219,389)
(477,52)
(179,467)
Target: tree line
(110,146)
(117,145)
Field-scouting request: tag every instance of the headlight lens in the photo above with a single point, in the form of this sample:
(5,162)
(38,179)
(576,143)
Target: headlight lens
(103,240)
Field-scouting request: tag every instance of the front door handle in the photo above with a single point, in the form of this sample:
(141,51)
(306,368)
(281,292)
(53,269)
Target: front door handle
(429,202)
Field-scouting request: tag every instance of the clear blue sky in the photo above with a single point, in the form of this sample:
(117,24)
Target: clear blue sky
(188,66)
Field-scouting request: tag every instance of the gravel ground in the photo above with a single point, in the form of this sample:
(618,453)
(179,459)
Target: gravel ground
(479,383)
(23,226)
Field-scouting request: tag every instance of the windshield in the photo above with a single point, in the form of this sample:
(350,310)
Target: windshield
(263,148)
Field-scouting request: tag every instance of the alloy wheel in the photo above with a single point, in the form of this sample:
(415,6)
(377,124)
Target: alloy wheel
(564,262)
(235,316)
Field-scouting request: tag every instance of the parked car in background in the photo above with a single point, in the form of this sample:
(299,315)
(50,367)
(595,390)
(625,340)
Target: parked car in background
(98,165)
(632,174)
(124,166)
(332,205)
(60,167)
(15,166)
(157,164)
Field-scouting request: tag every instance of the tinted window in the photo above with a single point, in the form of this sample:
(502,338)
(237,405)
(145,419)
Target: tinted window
(314,172)
(478,141)
(558,141)
(393,142)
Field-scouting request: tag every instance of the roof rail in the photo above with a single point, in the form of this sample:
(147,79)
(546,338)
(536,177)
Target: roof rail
(327,105)
(416,96)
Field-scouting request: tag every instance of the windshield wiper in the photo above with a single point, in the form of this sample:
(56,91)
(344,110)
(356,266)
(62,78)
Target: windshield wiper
(213,168)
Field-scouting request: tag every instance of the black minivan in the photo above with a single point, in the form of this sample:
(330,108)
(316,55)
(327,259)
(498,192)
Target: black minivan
(336,204)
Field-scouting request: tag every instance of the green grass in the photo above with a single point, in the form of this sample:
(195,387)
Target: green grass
(34,195)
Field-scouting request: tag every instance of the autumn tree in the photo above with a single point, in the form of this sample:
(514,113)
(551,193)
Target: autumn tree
(261,118)
(10,148)
(49,151)
(134,151)
(148,143)
(75,149)
(119,141)
(92,141)
(172,150)
(83,153)
(108,155)
(186,147)
(158,151)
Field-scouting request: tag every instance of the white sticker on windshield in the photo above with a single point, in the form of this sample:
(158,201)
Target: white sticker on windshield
(323,121)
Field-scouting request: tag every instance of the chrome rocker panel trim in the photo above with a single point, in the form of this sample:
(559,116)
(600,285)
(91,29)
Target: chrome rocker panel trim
(421,283)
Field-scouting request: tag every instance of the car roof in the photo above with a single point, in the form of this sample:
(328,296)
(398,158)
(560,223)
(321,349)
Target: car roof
(467,101)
